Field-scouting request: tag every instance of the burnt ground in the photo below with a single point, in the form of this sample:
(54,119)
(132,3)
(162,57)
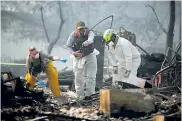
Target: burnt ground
(30,109)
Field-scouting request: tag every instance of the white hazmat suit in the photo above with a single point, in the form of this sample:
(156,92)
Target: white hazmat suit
(126,57)
(85,69)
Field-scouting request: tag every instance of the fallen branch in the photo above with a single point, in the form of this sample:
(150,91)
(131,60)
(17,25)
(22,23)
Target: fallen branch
(166,88)
(157,18)
(37,118)
(164,96)
(179,88)
(62,116)
(173,114)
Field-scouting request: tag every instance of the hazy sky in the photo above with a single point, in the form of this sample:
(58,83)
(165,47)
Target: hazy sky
(132,15)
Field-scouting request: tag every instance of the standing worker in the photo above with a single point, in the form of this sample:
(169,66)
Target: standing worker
(81,45)
(124,57)
(37,62)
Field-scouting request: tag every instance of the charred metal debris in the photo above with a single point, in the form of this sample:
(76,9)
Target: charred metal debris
(20,104)
(163,75)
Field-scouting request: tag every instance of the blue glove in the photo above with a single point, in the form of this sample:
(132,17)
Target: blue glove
(64,60)
(42,83)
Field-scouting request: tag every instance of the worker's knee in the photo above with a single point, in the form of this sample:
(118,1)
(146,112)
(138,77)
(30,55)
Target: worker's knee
(90,80)
(91,77)
(54,73)
(78,73)
(78,83)
(51,70)
(78,77)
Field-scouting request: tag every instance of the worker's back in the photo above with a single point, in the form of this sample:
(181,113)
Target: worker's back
(124,42)
(123,50)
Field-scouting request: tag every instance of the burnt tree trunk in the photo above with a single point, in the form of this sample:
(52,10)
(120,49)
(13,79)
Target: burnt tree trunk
(170,34)
(180,26)
(51,45)
(99,45)
(62,21)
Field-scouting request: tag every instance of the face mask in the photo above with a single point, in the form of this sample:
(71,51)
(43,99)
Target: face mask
(111,43)
(36,56)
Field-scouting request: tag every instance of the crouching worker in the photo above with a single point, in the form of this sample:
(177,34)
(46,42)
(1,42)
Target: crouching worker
(37,62)
(124,57)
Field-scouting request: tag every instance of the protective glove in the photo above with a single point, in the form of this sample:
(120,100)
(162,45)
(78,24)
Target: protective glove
(127,73)
(86,43)
(78,54)
(44,84)
(115,69)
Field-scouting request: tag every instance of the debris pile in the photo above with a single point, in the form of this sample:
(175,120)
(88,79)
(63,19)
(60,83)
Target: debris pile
(166,103)
(20,104)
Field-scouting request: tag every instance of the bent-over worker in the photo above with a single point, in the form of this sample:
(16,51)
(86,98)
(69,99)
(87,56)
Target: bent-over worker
(124,57)
(37,62)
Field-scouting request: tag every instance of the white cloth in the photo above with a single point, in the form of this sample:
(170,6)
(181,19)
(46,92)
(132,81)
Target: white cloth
(96,52)
(85,77)
(133,79)
(80,62)
(126,57)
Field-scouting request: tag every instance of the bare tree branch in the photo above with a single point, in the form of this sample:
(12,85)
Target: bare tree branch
(62,21)
(156,37)
(45,30)
(60,14)
(161,26)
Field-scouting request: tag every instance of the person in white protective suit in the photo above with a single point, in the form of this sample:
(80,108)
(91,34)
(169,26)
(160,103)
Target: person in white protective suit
(124,57)
(81,45)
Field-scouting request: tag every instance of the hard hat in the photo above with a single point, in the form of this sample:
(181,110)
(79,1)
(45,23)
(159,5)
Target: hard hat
(108,35)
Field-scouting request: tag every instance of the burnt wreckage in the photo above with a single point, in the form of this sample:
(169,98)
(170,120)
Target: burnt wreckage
(162,74)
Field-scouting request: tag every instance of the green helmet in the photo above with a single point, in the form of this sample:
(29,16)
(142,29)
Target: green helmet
(108,35)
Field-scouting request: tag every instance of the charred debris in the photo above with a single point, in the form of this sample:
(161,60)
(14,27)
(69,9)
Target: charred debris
(162,93)
(163,87)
